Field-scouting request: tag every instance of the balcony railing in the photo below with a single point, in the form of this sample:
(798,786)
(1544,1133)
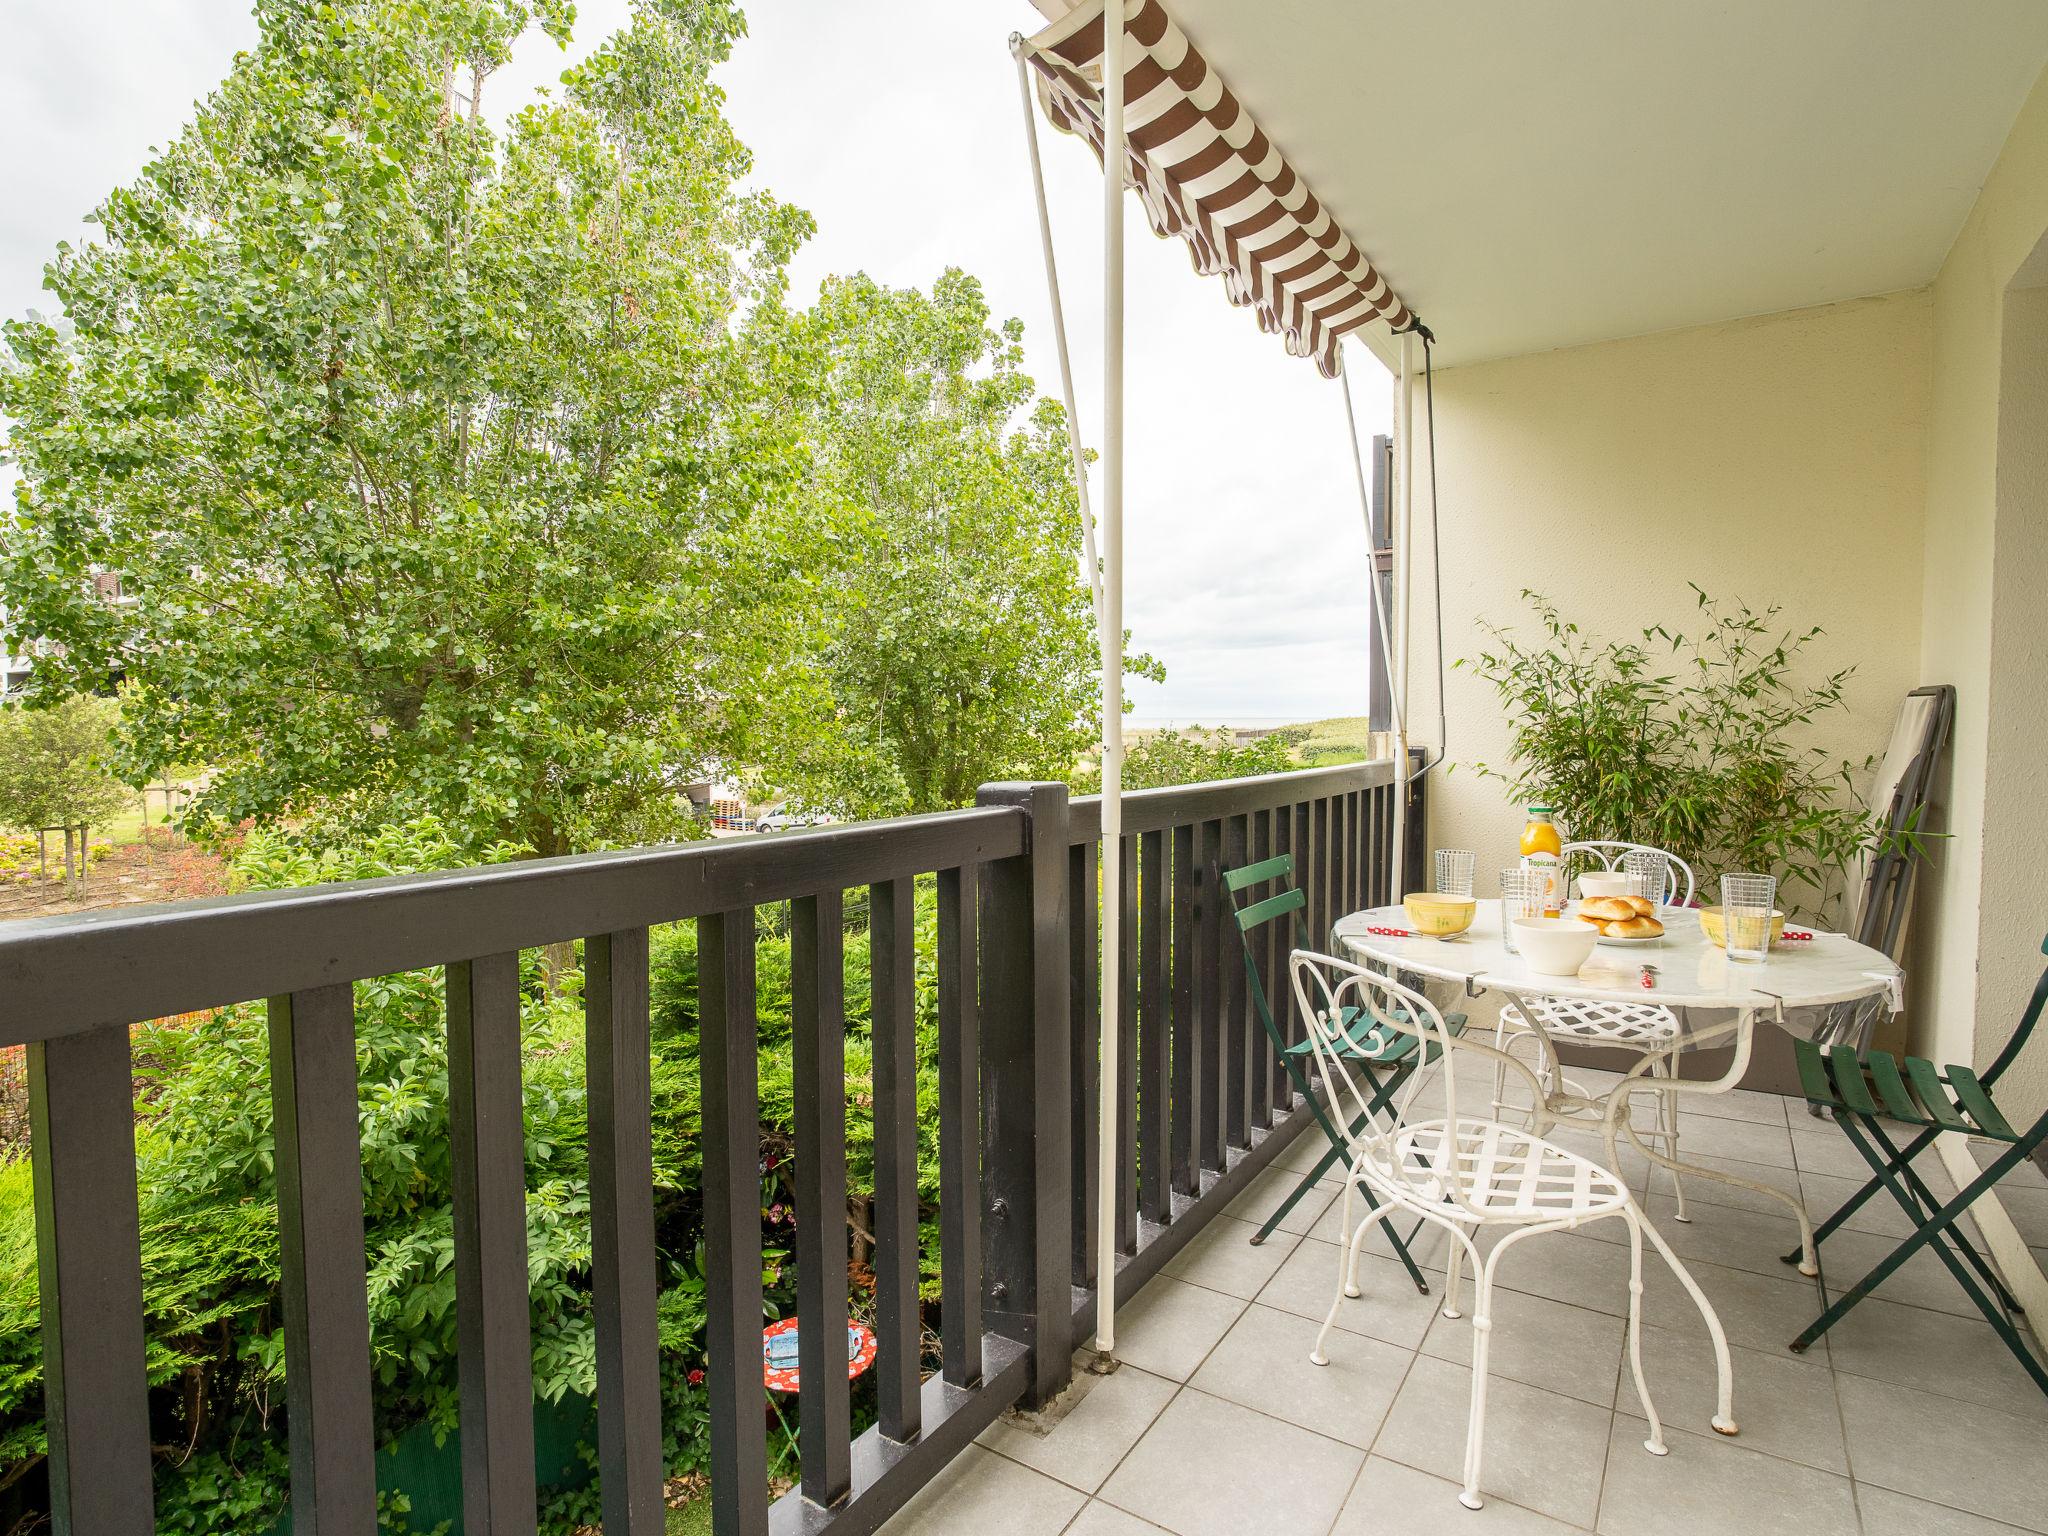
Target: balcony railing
(1201,1100)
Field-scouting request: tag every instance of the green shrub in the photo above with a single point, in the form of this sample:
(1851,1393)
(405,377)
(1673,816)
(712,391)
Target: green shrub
(208,1203)
(1699,744)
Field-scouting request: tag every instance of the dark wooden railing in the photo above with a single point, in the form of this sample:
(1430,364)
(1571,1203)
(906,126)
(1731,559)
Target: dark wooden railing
(1201,1100)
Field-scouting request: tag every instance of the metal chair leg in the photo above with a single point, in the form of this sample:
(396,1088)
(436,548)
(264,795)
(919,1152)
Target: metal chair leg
(1925,1198)
(1857,1201)
(1383,1092)
(1929,1235)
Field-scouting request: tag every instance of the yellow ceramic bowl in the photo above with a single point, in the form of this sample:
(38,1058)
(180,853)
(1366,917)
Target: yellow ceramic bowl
(1437,916)
(1717,931)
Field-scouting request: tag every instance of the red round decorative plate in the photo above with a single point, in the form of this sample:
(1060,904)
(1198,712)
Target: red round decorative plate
(779,1353)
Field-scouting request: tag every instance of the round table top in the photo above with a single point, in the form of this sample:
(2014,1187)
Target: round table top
(1691,973)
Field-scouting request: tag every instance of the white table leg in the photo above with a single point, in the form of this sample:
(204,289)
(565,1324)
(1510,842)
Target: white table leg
(1618,1124)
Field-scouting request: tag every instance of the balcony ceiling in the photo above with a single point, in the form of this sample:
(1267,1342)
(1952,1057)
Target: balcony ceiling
(1538,176)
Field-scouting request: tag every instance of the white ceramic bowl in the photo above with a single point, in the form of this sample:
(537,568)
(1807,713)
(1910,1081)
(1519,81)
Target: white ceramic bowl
(1555,946)
(1603,882)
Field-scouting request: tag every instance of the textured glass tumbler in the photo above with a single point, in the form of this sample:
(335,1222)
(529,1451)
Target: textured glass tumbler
(1746,903)
(1454,868)
(1649,873)
(1522,891)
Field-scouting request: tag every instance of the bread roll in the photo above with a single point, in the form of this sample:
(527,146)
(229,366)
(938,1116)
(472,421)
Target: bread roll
(1633,928)
(1644,907)
(1607,909)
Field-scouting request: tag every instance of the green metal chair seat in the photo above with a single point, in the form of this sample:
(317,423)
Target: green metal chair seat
(1368,1045)
(1862,1093)
(1948,1099)
(1385,1063)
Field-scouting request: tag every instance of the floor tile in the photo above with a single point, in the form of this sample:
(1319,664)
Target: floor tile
(1894,1514)
(1389,1307)
(1542,1451)
(989,1495)
(1263,1196)
(1221,1256)
(1392,1500)
(1710,1483)
(1543,1343)
(1922,1281)
(1427,1245)
(2027,1175)
(1784,1405)
(1263,1363)
(1947,1452)
(1825,1193)
(1170,1325)
(1718,1192)
(1759,1311)
(1304,1152)
(1569,1267)
(1100,1519)
(1211,1468)
(1084,1447)
(2027,1205)
(1745,1139)
(1959,1357)
(1718,1234)
(1737,1104)
(1824,1149)
(1633,1167)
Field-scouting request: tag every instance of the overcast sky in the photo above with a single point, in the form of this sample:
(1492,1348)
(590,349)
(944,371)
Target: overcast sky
(897,124)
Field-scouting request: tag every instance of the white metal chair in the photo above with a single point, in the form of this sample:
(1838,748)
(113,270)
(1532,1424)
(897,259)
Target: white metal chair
(1646,1027)
(1462,1173)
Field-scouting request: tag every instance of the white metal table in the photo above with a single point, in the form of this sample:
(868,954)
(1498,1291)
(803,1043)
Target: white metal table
(1799,978)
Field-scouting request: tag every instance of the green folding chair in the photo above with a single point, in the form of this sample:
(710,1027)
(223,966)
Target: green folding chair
(1857,1091)
(1385,1064)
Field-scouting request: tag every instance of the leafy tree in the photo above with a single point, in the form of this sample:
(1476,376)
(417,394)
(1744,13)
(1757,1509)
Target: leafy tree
(428,461)
(1194,757)
(53,768)
(962,646)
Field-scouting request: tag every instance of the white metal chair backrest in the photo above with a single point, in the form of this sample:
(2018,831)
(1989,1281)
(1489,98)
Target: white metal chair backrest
(1678,880)
(1434,1169)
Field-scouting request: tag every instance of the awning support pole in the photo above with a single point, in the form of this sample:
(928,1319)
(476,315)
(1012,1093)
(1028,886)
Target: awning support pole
(1059,330)
(1404,566)
(1373,606)
(1112,637)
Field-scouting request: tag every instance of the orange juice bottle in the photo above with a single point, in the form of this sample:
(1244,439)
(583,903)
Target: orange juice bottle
(1543,849)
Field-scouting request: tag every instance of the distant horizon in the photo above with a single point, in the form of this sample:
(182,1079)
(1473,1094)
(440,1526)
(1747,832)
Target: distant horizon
(1227,721)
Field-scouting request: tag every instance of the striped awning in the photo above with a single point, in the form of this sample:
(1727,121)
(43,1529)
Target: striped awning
(1206,172)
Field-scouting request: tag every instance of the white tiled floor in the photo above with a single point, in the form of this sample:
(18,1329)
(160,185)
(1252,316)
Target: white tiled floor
(1909,1418)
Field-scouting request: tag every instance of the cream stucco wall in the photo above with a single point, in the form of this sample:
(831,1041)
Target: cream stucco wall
(1977,951)
(1879,468)
(1780,460)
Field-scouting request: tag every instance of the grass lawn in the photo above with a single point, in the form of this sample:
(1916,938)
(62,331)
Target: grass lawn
(124,828)
(1346,738)
(693,1519)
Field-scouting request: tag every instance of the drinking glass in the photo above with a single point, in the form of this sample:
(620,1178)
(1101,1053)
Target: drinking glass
(1649,873)
(1454,871)
(1746,903)
(1522,892)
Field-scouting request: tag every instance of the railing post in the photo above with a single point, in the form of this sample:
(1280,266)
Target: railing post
(1027,1072)
(1418,824)
(321,1262)
(89,1262)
